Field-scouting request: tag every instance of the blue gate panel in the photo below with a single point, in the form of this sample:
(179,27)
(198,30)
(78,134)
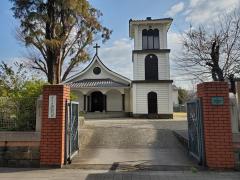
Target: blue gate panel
(195,130)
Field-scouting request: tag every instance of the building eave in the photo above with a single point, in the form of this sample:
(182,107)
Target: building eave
(152,81)
(166,21)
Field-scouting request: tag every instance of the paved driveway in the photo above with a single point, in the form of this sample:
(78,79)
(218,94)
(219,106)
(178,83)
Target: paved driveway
(76,174)
(132,144)
(179,123)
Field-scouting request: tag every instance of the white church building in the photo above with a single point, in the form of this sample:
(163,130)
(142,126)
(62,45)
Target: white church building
(104,93)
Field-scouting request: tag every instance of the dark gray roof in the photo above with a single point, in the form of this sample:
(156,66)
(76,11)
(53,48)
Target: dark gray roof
(85,83)
(150,19)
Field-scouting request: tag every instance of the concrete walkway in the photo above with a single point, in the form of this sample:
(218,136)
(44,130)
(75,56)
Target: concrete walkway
(179,123)
(132,144)
(132,159)
(76,174)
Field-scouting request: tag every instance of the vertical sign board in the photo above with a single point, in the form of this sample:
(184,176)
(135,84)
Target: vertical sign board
(52,106)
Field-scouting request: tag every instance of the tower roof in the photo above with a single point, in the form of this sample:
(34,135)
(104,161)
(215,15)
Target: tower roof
(148,21)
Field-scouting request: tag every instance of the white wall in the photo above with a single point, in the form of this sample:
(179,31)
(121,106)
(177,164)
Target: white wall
(175,97)
(114,100)
(139,66)
(131,100)
(127,100)
(80,99)
(164,97)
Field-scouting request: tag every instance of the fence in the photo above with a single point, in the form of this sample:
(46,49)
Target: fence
(179,108)
(234,109)
(17,114)
(195,130)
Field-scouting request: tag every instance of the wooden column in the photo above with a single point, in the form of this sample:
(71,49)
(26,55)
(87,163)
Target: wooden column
(105,102)
(123,102)
(88,104)
(84,102)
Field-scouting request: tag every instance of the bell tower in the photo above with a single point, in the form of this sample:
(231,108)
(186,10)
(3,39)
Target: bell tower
(151,85)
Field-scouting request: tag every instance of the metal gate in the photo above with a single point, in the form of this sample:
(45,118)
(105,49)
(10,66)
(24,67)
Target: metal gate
(71,145)
(195,130)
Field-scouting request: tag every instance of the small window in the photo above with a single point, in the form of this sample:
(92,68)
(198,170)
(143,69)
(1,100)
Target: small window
(97,70)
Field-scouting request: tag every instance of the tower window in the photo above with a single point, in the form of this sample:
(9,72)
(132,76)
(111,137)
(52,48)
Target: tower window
(156,39)
(151,67)
(145,39)
(150,39)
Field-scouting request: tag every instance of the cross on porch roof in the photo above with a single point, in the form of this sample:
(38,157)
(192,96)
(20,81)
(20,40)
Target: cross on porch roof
(96,47)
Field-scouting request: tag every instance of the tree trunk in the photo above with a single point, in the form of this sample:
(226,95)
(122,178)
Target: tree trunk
(54,70)
(53,56)
(217,72)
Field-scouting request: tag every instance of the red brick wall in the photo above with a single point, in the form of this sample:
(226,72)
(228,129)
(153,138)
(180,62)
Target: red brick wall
(217,126)
(53,130)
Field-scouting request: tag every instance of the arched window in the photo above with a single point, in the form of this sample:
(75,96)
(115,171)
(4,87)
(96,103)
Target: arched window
(156,39)
(150,39)
(144,39)
(152,103)
(151,67)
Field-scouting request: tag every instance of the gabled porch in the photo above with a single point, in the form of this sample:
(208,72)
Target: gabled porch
(102,98)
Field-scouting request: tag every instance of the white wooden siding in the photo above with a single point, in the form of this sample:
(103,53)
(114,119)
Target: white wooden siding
(140,92)
(163,66)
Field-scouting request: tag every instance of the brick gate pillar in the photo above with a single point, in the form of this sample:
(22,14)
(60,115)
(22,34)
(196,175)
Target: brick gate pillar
(217,124)
(53,125)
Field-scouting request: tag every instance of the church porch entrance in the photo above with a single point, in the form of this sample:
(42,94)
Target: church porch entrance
(107,104)
(98,102)
(103,102)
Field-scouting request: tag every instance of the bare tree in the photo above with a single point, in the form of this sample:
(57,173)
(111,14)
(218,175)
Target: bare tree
(212,52)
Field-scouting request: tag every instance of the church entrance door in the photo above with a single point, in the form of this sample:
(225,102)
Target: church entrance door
(97,101)
(152,103)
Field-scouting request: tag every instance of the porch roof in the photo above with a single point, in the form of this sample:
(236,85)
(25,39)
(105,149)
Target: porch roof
(92,83)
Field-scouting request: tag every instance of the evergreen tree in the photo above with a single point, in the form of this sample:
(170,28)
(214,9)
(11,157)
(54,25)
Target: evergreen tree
(59,32)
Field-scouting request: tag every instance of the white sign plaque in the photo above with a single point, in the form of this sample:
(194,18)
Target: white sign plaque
(52,106)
